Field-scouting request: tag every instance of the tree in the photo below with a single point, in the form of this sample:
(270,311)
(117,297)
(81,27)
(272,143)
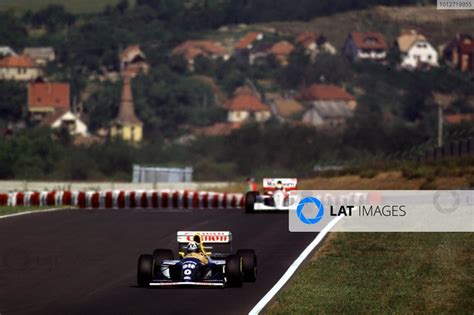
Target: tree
(53,17)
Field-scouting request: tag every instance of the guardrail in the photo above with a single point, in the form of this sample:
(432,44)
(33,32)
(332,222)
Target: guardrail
(118,199)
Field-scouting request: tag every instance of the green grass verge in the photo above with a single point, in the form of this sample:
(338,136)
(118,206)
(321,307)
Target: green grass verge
(373,273)
(12,210)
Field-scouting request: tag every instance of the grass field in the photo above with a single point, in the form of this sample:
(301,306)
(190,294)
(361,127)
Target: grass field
(379,273)
(75,6)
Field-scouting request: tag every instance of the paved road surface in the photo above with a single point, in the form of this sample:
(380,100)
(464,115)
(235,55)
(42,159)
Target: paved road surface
(84,261)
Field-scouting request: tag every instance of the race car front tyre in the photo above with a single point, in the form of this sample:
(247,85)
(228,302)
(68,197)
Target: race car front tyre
(161,254)
(145,270)
(249,264)
(233,271)
(250,199)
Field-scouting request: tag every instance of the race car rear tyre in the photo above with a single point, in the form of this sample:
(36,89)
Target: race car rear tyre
(233,271)
(250,199)
(249,264)
(161,254)
(145,270)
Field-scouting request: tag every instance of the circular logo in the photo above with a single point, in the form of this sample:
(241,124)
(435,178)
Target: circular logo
(302,217)
(446,203)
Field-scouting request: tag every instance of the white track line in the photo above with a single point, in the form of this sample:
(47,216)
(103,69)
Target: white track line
(292,269)
(31,212)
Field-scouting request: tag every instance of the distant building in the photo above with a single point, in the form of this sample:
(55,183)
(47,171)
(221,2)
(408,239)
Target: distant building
(248,41)
(133,61)
(314,43)
(218,129)
(415,51)
(19,68)
(6,51)
(458,118)
(45,99)
(246,106)
(191,49)
(127,125)
(459,53)
(69,121)
(285,107)
(330,105)
(282,50)
(365,46)
(40,55)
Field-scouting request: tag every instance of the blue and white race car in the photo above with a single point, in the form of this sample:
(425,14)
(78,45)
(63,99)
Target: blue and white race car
(198,263)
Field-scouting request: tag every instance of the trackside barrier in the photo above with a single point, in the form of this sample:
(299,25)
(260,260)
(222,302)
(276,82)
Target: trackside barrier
(153,199)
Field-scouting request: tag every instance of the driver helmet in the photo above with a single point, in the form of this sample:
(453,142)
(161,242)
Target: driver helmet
(279,185)
(192,247)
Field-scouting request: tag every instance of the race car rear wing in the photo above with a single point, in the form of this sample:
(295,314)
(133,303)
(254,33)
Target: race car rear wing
(288,183)
(221,242)
(206,236)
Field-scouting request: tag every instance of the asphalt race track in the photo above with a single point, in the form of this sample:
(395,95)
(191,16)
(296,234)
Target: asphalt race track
(84,261)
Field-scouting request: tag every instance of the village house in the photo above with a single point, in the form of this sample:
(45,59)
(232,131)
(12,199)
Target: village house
(286,107)
(191,49)
(246,106)
(47,98)
(19,68)
(40,55)
(249,49)
(365,46)
(314,44)
(127,125)
(6,51)
(248,41)
(415,51)
(454,119)
(330,105)
(282,50)
(68,121)
(133,61)
(459,53)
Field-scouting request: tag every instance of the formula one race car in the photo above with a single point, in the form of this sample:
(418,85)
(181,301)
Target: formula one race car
(275,196)
(199,264)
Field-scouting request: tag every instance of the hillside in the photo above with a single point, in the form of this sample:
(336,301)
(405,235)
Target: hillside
(75,6)
(439,26)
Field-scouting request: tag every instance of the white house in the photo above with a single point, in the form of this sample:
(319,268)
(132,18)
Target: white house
(6,51)
(18,68)
(246,106)
(416,51)
(69,121)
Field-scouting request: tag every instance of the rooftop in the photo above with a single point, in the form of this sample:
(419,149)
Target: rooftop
(369,40)
(17,62)
(49,94)
(325,92)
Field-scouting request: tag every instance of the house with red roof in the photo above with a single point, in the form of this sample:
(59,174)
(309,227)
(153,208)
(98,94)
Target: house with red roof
(314,43)
(48,98)
(454,119)
(459,53)
(365,46)
(191,49)
(330,105)
(282,50)
(19,68)
(133,61)
(244,107)
(248,41)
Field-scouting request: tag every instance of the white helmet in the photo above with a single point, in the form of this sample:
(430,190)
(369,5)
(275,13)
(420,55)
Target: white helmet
(192,247)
